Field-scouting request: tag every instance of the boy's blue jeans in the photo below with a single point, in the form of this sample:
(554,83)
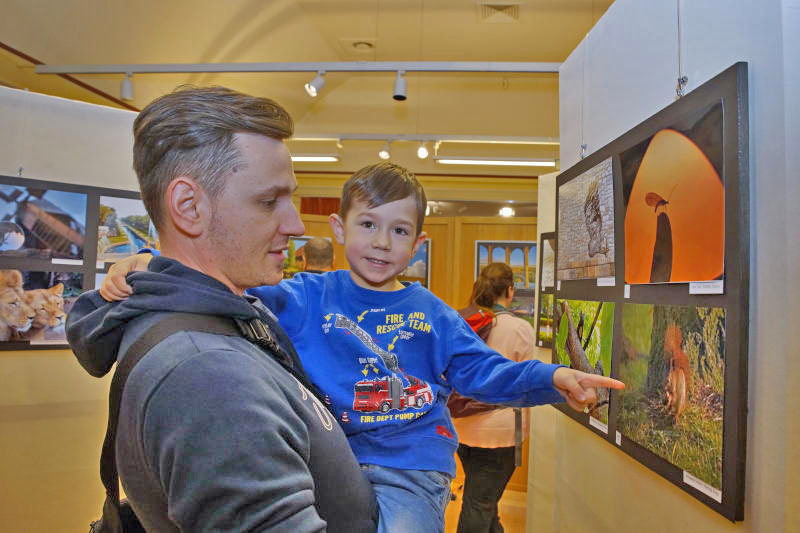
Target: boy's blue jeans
(409,501)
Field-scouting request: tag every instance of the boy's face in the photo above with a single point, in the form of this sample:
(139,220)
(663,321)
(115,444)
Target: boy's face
(379,242)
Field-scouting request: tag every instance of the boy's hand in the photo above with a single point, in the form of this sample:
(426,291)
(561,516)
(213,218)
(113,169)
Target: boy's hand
(114,286)
(578,388)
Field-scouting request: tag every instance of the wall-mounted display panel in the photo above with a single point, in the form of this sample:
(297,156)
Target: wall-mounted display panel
(680,288)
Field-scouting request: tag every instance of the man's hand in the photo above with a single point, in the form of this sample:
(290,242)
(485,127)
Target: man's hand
(578,388)
(114,285)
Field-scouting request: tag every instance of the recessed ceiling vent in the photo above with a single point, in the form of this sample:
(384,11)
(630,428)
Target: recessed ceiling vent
(494,12)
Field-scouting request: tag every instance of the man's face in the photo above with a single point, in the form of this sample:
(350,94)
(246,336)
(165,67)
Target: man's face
(380,241)
(254,216)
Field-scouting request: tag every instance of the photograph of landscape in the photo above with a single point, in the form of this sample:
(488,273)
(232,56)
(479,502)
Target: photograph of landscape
(521,257)
(124,228)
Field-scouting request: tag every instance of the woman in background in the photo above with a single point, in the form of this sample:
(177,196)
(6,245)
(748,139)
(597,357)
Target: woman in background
(487,440)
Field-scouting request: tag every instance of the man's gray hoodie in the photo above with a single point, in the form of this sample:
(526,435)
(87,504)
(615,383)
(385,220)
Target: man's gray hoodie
(214,433)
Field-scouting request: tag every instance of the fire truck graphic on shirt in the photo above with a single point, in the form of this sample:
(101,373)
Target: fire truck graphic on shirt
(399,391)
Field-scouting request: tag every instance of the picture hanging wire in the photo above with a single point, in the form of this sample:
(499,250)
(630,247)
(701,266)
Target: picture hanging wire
(584,51)
(682,78)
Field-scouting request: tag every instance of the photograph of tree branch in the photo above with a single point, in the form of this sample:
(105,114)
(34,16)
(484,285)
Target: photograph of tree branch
(584,340)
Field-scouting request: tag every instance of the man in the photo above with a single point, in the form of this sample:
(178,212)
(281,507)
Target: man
(216,434)
(318,255)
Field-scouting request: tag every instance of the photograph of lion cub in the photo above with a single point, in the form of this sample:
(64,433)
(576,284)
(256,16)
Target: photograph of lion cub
(673,365)
(34,305)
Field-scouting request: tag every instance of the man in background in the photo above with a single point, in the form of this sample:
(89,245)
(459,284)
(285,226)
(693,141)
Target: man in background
(318,255)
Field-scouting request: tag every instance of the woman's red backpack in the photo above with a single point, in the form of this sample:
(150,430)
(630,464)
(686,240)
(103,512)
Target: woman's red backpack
(481,320)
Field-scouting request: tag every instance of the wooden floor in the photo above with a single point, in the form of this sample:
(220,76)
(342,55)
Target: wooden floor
(512,510)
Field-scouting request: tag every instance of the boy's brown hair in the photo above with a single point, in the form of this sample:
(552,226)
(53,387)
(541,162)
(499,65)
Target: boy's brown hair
(191,132)
(381,184)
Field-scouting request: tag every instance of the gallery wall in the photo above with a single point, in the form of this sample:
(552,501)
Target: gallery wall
(624,71)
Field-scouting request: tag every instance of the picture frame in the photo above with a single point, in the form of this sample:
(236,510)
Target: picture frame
(722,292)
(521,256)
(419,268)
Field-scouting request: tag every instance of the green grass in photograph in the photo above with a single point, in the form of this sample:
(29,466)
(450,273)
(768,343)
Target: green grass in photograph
(691,441)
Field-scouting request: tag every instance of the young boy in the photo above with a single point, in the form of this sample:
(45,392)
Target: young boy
(387,355)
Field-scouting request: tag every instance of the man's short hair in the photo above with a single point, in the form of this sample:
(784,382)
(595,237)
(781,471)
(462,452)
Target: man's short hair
(318,253)
(190,132)
(381,184)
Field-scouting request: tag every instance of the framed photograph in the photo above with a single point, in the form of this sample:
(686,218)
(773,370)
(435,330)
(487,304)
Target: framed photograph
(673,364)
(34,307)
(38,221)
(584,338)
(419,269)
(680,287)
(547,266)
(521,257)
(586,223)
(675,201)
(123,228)
(295,255)
(545,320)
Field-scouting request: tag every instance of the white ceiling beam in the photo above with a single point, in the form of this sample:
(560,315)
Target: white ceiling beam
(341,66)
(476,139)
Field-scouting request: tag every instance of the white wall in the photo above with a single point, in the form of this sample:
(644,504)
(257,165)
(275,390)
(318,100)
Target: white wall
(624,71)
(63,140)
(52,413)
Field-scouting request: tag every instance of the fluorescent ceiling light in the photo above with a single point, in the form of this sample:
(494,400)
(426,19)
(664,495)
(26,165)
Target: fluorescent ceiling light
(315,158)
(508,162)
(506,212)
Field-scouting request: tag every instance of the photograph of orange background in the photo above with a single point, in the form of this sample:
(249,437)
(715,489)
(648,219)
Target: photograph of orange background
(675,203)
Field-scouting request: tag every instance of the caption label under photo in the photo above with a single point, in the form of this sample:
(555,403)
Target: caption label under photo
(702,486)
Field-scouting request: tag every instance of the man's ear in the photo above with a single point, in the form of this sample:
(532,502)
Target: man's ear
(337,226)
(420,239)
(188,206)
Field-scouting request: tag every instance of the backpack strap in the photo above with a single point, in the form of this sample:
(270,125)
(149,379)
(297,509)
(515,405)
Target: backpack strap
(254,330)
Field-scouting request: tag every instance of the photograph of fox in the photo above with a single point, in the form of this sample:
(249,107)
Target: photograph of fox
(673,365)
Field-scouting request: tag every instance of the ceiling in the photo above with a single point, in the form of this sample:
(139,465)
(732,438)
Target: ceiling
(209,31)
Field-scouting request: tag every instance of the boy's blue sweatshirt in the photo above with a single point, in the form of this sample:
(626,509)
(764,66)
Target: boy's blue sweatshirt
(387,362)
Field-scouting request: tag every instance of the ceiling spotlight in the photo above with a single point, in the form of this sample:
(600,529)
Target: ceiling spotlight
(400,86)
(385,153)
(422,151)
(126,87)
(315,86)
(506,211)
